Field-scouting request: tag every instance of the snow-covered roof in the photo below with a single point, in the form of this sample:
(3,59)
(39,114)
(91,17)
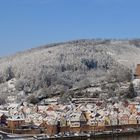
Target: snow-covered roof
(75,116)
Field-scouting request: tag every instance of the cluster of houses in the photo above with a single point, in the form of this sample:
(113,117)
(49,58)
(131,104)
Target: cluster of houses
(51,117)
(54,117)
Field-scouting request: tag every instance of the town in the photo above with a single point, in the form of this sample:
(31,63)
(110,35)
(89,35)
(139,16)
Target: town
(80,115)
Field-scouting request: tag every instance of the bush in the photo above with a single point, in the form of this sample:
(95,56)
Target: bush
(131,92)
(64,98)
(9,74)
(120,74)
(20,85)
(32,99)
(91,64)
(2,99)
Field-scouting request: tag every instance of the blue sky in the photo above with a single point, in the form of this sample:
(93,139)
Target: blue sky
(30,23)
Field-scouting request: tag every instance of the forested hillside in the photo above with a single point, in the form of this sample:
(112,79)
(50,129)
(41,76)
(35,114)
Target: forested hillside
(56,68)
